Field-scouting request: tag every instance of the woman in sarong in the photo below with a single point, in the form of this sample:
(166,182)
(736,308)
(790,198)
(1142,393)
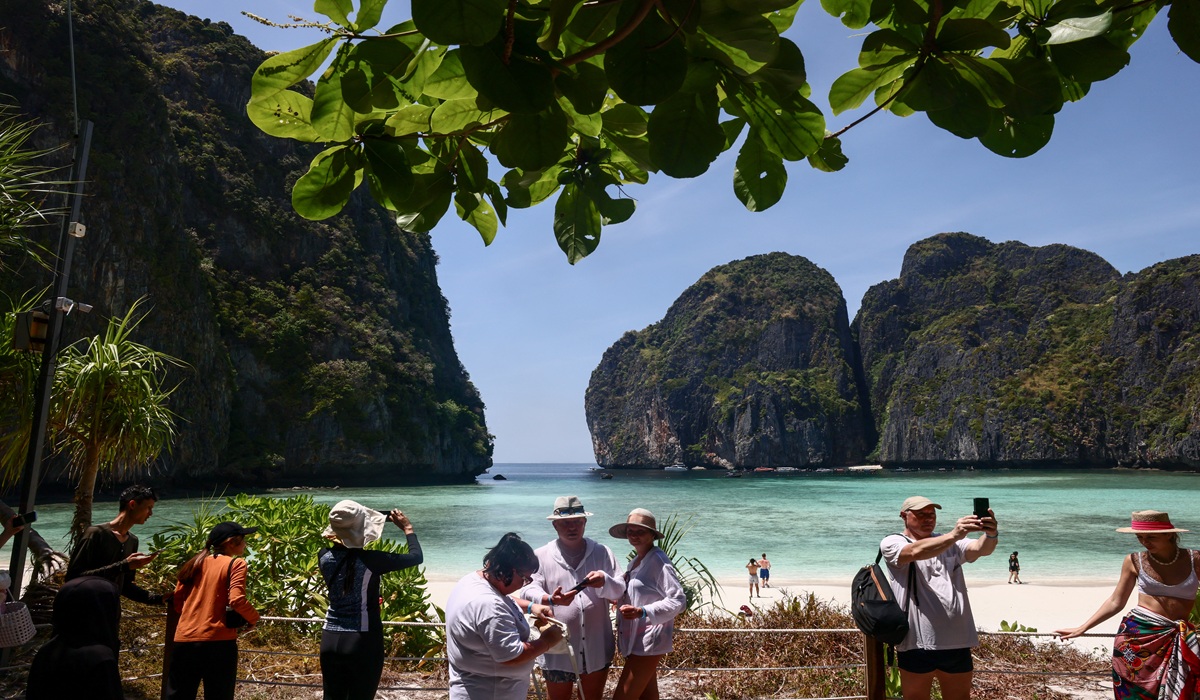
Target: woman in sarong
(1156,653)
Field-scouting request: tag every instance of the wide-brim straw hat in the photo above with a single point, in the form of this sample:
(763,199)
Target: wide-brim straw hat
(1149,522)
(354,525)
(638,517)
(568,507)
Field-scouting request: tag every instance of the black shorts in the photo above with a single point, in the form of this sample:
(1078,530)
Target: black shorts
(930,660)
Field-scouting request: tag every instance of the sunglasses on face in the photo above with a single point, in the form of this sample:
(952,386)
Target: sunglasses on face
(573,510)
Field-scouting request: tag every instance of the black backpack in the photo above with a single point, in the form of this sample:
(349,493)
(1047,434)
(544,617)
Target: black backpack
(874,607)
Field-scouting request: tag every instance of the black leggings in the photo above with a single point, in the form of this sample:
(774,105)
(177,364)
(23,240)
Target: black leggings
(351,664)
(214,663)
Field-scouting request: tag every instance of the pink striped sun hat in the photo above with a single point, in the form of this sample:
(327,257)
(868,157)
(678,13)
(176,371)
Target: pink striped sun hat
(1149,522)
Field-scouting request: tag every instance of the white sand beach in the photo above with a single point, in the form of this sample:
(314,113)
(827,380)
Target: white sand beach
(1043,606)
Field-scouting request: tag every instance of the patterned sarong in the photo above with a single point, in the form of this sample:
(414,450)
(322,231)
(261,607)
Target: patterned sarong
(1155,658)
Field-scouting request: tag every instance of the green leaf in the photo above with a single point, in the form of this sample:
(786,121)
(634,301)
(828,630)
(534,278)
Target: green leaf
(885,97)
(829,158)
(428,203)
(931,87)
(497,198)
(520,86)
(643,70)
(413,119)
(454,116)
(1019,138)
(532,141)
(388,172)
(1036,87)
(615,210)
(1183,21)
(472,169)
(368,15)
(475,210)
(745,43)
(324,190)
(576,223)
(853,87)
(782,20)
(561,14)
(382,64)
(789,125)
(449,81)
(759,177)
(1073,29)
(585,86)
(987,77)
(331,116)
(466,22)
(760,7)
(886,47)
(685,134)
(586,124)
(786,73)
(526,189)
(1089,60)
(625,119)
(853,13)
(970,35)
(284,70)
(336,10)
(286,115)
(733,129)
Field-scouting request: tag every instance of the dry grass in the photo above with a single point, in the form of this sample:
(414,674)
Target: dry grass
(142,630)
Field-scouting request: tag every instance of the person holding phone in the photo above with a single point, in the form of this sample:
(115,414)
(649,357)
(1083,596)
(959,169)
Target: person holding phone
(941,628)
(110,550)
(653,598)
(352,640)
(579,578)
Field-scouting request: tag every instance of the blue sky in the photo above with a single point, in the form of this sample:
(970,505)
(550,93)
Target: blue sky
(1121,177)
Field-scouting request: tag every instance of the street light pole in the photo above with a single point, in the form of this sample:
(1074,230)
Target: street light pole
(71,231)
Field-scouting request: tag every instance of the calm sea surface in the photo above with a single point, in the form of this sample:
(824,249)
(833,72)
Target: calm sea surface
(817,528)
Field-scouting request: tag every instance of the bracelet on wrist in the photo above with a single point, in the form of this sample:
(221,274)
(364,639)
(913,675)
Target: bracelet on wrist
(643,613)
(992,537)
(529,609)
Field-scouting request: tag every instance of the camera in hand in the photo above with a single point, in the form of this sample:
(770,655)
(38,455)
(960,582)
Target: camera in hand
(981,508)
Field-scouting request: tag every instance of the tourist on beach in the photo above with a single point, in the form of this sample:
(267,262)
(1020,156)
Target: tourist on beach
(80,660)
(653,598)
(1154,652)
(352,638)
(487,637)
(109,550)
(941,627)
(764,571)
(205,649)
(569,560)
(752,567)
(1014,568)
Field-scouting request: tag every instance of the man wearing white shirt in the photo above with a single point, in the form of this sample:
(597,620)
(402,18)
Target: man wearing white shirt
(565,562)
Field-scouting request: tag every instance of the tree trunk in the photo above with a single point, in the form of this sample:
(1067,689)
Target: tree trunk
(46,560)
(84,493)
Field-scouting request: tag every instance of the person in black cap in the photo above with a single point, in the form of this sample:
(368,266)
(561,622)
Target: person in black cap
(205,648)
(80,660)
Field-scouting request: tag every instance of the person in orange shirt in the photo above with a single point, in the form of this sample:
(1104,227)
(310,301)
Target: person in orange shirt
(205,647)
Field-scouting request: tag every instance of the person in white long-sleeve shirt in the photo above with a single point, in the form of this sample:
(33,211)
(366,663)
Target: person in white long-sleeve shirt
(569,560)
(653,598)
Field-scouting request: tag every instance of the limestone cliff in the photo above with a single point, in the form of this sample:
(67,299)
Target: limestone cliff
(318,352)
(751,366)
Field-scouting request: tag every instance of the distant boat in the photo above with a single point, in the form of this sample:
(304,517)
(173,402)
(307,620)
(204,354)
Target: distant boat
(676,468)
(605,475)
(764,469)
(787,469)
(867,468)
(823,470)
(733,475)
(698,469)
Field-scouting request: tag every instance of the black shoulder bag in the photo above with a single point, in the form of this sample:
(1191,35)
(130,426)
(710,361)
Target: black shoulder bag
(873,604)
(233,618)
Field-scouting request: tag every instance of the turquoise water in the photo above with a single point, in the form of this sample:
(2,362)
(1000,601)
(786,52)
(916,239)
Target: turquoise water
(817,528)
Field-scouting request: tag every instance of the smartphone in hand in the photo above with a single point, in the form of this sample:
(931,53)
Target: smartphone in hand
(580,586)
(24,519)
(981,508)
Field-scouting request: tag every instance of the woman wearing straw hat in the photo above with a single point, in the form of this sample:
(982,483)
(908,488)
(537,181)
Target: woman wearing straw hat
(1155,651)
(653,598)
(487,637)
(205,648)
(564,564)
(352,639)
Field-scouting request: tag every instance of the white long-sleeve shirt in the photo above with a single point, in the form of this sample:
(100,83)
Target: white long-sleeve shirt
(652,585)
(589,627)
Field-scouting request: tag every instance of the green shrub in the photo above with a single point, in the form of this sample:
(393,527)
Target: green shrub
(283,579)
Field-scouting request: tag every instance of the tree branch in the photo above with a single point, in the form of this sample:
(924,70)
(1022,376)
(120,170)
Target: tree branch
(616,37)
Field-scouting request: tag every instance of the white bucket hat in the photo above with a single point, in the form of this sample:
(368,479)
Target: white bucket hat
(354,525)
(567,507)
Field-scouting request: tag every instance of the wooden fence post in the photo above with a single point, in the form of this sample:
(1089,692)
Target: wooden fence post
(876,670)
